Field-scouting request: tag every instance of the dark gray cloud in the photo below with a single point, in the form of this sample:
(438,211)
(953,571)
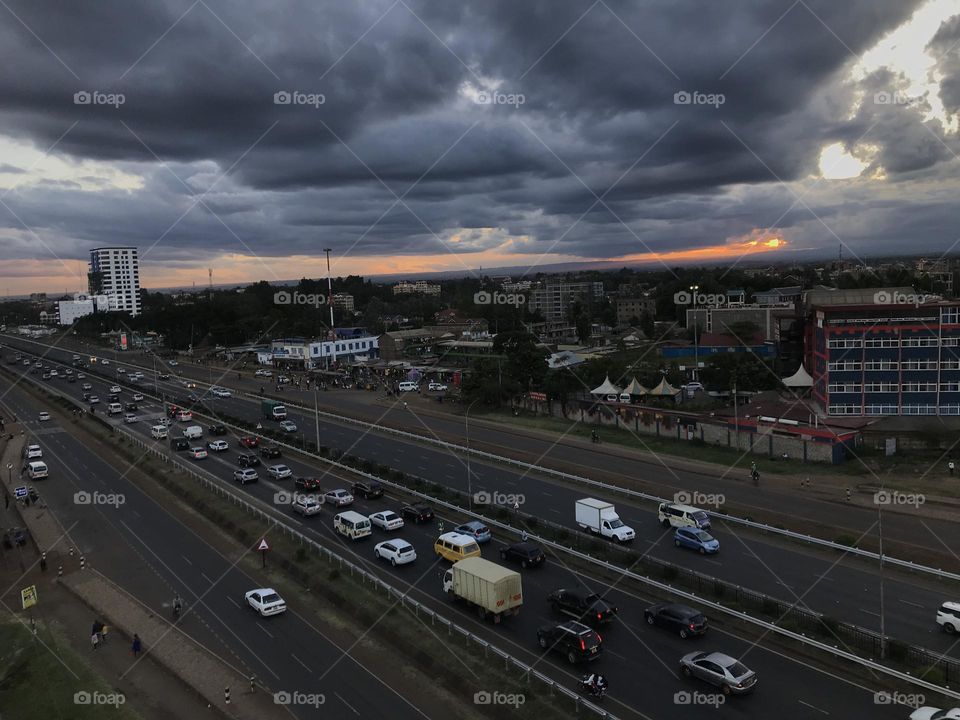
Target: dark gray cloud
(598,117)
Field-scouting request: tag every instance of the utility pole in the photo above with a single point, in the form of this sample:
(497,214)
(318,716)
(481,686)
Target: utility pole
(333,334)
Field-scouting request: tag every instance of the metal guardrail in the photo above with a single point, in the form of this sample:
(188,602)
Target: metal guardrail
(633,494)
(510,662)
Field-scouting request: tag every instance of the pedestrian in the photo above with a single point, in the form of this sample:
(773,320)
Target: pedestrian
(95,640)
(951,467)
(136,645)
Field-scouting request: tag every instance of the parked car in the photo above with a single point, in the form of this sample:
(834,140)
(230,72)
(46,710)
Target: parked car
(115,389)
(249,441)
(43,416)
(218,430)
(198,453)
(218,445)
(437,387)
(681,619)
(723,671)
(288,426)
(266,601)
(86,386)
(279,472)
(418,512)
(137,397)
(306,505)
(696,539)
(307,484)
(338,497)
(948,617)
(270,451)
(526,553)
(582,605)
(247,460)
(397,551)
(263,373)
(475,529)
(386,520)
(368,489)
(927,712)
(130,418)
(245,475)
(578,642)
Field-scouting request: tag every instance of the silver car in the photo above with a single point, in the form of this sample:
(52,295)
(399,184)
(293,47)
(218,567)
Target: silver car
(727,673)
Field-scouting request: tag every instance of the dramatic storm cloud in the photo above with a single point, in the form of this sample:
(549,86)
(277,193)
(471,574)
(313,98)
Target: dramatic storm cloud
(437,135)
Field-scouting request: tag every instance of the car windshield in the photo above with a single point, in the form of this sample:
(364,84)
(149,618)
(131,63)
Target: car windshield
(618,523)
(703,536)
(700,516)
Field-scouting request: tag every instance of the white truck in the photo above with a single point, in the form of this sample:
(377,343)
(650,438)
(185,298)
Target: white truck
(600,518)
(492,589)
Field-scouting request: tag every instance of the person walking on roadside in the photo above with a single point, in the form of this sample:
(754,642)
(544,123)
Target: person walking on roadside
(95,640)
(951,467)
(137,645)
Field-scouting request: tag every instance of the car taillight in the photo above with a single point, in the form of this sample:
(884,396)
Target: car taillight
(599,616)
(692,626)
(583,645)
(599,638)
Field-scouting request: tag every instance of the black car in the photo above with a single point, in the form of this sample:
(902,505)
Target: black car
(130,407)
(163,376)
(86,396)
(575,640)
(217,430)
(368,489)
(579,604)
(528,554)
(680,618)
(270,451)
(307,484)
(247,460)
(113,397)
(180,444)
(418,512)
(71,379)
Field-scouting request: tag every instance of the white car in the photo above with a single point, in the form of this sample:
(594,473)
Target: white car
(931,713)
(121,371)
(263,373)
(93,400)
(165,421)
(221,392)
(435,386)
(279,472)
(34,451)
(44,416)
(105,362)
(338,497)
(130,418)
(115,389)
(283,380)
(288,426)
(54,373)
(86,386)
(198,453)
(173,363)
(184,415)
(81,376)
(265,601)
(137,397)
(245,475)
(306,505)
(948,617)
(397,551)
(218,445)
(386,520)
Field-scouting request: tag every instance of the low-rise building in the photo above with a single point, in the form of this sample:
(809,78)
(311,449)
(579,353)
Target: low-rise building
(343,301)
(420,287)
(631,309)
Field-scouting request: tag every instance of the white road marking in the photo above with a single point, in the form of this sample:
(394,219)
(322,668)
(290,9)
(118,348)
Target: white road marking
(233,601)
(206,578)
(869,613)
(265,630)
(187,559)
(346,703)
(813,707)
(301,662)
(916,605)
(554,510)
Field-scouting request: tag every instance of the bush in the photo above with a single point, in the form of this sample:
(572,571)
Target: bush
(848,540)
(334,574)
(323,451)
(669,572)
(301,554)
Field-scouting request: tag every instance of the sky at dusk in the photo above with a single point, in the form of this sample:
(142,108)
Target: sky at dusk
(422,136)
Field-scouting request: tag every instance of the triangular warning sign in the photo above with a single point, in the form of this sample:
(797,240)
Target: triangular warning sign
(263,545)
(259,426)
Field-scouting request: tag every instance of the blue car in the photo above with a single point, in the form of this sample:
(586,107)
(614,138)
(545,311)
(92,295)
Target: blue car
(475,529)
(696,539)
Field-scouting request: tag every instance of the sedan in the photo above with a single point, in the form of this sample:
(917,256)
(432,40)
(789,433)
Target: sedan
(437,387)
(397,551)
(190,385)
(475,529)
(137,397)
(217,430)
(680,619)
(247,460)
(582,605)
(931,713)
(245,475)
(386,520)
(418,512)
(218,445)
(93,400)
(696,539)
(44,416)
(279,472)
(163,376)
(221,392)
(81,376)
(265,601)
(172,363)
(198,453)
(86,386)
(249,442)
(307,484)
(338,497)
(723,671)
(270,451)
(263,373)
(115,389)
(528,554)
(288,426)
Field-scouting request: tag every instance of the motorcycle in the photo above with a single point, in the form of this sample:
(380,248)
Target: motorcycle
(588,688)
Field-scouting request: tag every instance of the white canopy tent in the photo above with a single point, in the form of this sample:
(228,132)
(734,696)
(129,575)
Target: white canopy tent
(664,389)
(607,388)
(800,379)
(635,388)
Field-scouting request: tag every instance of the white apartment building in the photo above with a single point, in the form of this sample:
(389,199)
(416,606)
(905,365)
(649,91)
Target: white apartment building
(70,311)
(115,272)
(342,300)
(415,288)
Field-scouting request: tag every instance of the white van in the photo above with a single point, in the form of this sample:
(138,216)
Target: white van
(408,386)
(352,524)
(114,408)
(193,432)
(159,432)
(36,470)
(672,514)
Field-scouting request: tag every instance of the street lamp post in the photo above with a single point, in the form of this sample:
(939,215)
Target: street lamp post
(696,348)
(466,422)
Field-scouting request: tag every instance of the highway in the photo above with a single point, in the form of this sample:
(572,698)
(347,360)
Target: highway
(844,589)
(788,688)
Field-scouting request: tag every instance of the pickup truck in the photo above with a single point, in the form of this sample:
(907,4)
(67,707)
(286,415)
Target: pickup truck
(493,590)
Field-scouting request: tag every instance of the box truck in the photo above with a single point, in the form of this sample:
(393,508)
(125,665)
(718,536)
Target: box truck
(273,410)
(493,590)
(600,518)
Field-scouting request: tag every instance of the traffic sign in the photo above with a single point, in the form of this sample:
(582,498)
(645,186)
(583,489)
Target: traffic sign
(259,426)
(20,492)
(28,596)
(263,545)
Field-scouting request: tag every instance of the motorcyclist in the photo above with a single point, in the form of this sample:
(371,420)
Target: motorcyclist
(595,683)
(594,437)
(177,604)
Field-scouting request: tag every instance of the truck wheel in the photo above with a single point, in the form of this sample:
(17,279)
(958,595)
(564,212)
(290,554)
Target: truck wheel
(572,658)
(665,523)
(481,613)
(677,543)
(543,642)
(683,633)
(650,620)
(451,595)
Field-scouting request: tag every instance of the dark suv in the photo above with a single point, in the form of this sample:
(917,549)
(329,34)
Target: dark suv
(247,460)
(584,606)
(180,444)
(679,618)
(307,484)
(418,512)
(368,489)
(270,451)
(575,640)
(218,430)
(528,554)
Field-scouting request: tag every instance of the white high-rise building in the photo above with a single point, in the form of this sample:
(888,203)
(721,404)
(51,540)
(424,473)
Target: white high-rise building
(115,272)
